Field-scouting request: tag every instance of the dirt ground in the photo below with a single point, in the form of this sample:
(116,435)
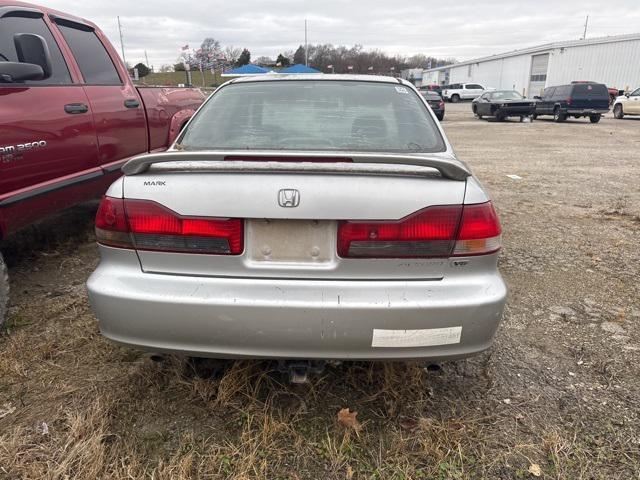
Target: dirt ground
(556,396)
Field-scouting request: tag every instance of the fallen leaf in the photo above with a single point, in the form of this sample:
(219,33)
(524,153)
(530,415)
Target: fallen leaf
(348,419)
(534,469)
(349,472)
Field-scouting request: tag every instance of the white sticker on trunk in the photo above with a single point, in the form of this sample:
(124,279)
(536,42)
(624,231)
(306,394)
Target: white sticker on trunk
(427,337)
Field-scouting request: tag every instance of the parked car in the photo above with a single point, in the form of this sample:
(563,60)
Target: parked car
(315,217)
(462,91)
(435,102)
(627,104)
(69,116)
(502,104)
(575,100)
(433,87)
(613,92)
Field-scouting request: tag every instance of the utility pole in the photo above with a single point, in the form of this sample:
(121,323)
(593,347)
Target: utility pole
(586,23)
(121,43)
(306,47)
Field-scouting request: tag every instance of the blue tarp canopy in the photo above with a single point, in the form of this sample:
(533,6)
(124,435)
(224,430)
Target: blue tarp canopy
(246,70)
(299,68)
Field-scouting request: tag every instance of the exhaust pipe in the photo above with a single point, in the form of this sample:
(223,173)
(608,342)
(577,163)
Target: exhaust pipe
(299,370)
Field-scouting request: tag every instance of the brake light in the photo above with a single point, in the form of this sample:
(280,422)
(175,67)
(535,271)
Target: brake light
(480,231)
(427,233)
(441,104)
(440,231)
(146,225)
(569,100)
(111,223)
(251,158)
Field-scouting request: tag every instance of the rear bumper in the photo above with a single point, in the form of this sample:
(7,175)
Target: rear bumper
(285,318)
(516,111)
(586,111)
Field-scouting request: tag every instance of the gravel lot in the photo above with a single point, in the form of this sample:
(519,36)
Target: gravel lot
(556,397)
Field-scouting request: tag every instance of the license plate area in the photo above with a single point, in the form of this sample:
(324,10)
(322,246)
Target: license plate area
(300,242)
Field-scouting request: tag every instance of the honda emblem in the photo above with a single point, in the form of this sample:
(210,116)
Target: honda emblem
(288,197)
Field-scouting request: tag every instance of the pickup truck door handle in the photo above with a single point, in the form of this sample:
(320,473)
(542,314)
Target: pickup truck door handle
(74,108)
(131,103)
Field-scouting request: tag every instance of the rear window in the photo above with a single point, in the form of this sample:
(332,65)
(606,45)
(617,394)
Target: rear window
(562,92)
(94,61)
(314,115)
(431,95)
(590,90)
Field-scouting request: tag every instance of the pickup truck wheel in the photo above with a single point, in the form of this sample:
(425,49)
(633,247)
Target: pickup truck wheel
(4,290)
(455,98)
(558,116)
(618,112)
(595,118)
(440,116)
(534,116)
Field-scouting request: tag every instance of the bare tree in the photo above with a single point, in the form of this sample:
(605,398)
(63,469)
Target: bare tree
(341,58)
(232,53)
(263,60)
(208,52)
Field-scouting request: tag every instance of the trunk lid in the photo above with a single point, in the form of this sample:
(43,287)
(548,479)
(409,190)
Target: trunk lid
(291,215)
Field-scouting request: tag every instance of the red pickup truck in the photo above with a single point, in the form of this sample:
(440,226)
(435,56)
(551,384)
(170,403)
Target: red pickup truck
(69,116)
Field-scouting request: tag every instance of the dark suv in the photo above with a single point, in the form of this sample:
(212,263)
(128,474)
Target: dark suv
(576,100)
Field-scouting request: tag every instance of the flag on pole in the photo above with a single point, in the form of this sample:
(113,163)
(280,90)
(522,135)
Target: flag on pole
(329,66)
(186,47)
(350,67)
(392,68)
(370,69)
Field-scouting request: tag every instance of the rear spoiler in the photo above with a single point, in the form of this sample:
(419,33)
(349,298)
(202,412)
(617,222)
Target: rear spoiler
(443,165)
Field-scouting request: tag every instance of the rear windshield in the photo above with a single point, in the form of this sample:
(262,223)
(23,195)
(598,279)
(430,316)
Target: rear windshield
(590,90)
(431,95)
(506,95)
(314,115)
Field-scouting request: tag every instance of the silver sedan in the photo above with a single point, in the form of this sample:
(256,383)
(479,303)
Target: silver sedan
(302,217)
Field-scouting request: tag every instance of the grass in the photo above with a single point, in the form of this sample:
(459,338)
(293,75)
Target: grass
(77,406)
(110,413)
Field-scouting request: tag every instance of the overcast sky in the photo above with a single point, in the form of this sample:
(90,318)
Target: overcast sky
(462,29)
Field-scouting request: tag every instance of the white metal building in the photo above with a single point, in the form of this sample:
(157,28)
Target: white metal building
(614,61)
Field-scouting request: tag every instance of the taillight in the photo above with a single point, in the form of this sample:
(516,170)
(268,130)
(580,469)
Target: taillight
(480,231)
(441,231)
(111,223)
(146,225)
(441,104)
(569,100)
(427,233)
